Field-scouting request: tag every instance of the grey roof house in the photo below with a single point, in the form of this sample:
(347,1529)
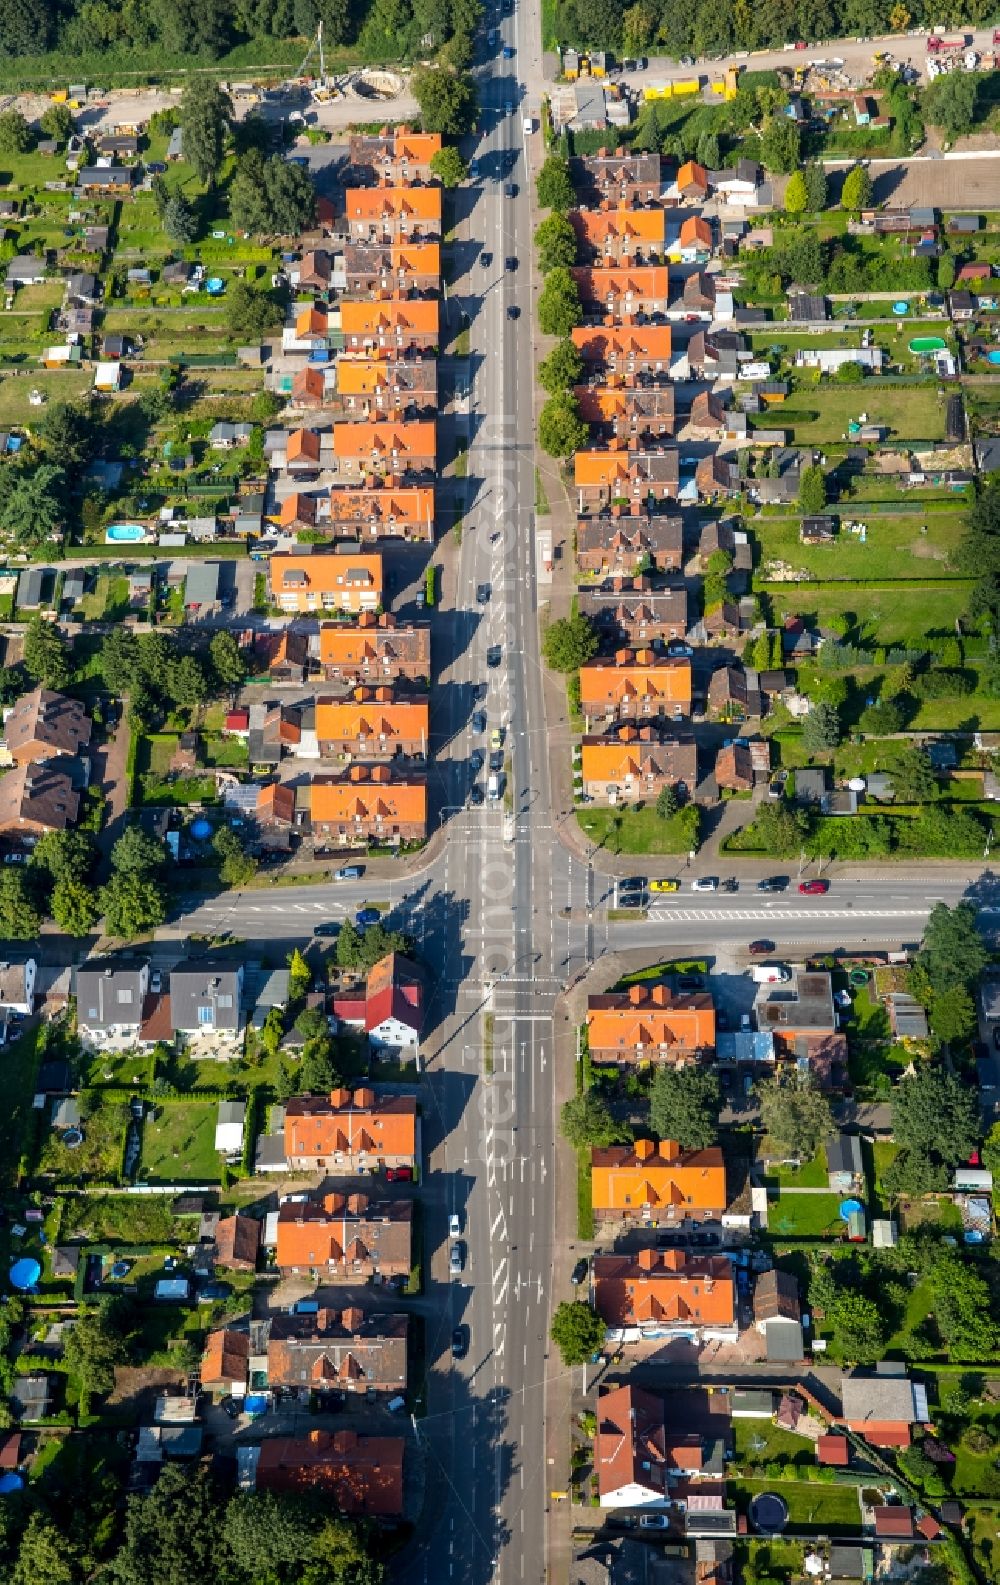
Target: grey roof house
(206,999)
(845,1168)
(25,270)
(201,587)
(109,1000)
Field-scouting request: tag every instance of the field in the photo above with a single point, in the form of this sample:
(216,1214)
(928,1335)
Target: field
(178,1144)
(907,614)
(804,1215)
(638,830)
(836,1510)
(910,545)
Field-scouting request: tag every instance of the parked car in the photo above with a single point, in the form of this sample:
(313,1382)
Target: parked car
(654,1521)
(579,1272)
(512,189)
(705,883)
(456,1259)
(773,883)
(814,888)
(368,916)
(454,1225)
(229,1406)
(399,1174)
(689,982)
(760,948)
(496,737)
(155,982)
(479,721)
(475,761)
(350,872)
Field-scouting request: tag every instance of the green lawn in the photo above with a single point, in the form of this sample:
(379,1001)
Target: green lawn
(638,830)
(20,1064)
(108,601)
(178,1144)
(99,1156)
(57,385)
(906,615)
(909,412)
(896,547)
(760,1442)
(984,1533)
(811,1175)
(805,1215)
(833,1509)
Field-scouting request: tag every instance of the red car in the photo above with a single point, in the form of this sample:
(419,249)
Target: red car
(814,888)
(399,1174)
(759,949)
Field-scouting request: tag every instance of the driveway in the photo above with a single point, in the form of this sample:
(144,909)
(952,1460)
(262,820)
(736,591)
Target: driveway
(108,771)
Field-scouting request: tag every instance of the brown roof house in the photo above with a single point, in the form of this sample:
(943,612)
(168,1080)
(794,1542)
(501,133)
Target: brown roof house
(629,611)
(225,1363)
(363,1475)
(43,724)
(36,798)
(237,1241)
(624,545)
(630,1449)
(734,768)
(346,1237)
(346,1349)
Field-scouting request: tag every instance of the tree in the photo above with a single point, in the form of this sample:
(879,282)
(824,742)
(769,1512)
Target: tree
(638,28)
(561,430)
(132,904)
(171,1534)
(559,306)
(556,242)
(780,831)
(812,490)
(227,660)
(856,192)
(179,221)
(821,727)
(26,26)
(318,1072)
(946,272)
(913,779)
(340,1557)
(964,1308)
(299,973)
(796,194)
(780,144)
(205,115)
(568,642)
(120,660)
(684,1105)
(362,949)
(949,102)
(577,1331)
(861,1329)
(447,100)
(19,917)
(953,952)
(67,433)
(15,133)
(934,1115)
(563,368)
(271,196)
(94,1345)
(554,185)
(882,719)
(449,167)
(45,657)
(186,682)
(795,1114)
(264,1535)
(57,122)
(952,1014)
(74,907)
(708,151)
(585,1120)
(137,852)
(311,1023)
(32,509)
(237,867)
(45,1556)
(990,1151)
(816,188)
(64,855)
(249,313)
(666,802)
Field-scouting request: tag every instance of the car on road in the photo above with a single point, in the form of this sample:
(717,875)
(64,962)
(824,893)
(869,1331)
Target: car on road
(479,721)
(687,60)
(350,872)
(368,916)
(512,189)
(475,761)
(508,52)
(664,886)
(475,167)
(494,655)
(330,928)
(399,1174)
(483,592)
(579,1272)
(486,258)
(510,262)
(475,794)
(231,1407)
(459,1342)
(496,759)
(705,883)
(773,883)
(814,888)
(760,947)
(513,312)
(654,1521)
(456,1259)
(631,883)
(454,1225)
(496,737)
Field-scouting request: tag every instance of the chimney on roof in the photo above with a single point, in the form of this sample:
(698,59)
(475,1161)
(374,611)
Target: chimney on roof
(643,1149)
(661,996)
(647,1259)
(636,995)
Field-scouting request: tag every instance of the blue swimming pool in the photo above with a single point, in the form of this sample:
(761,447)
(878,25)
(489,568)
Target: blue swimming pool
(993,357)
(128,533)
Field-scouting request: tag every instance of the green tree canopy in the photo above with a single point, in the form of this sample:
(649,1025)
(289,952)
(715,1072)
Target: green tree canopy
(138,852)
(586,1120)
(568,642)
(299,973)
(64,855)
(812,490)
(780,144)
(362,949)
(33,505)
(935,1115)
(271,197)
(882,719)
(563,368)
(780,831)
(952,1014)
(45,656)
(449,167)
(913,779)
(237,867)
(856,192)
(227,660)
(249,312)
(667,802)
(561,430)
(949,102)
(66,431)
(559,306)
(796,194)
(171,1534)
(179,221)
(46,1556)
(94,1345)
(816,187)
(861,1329)
(15,133)
(205,116)
(132,904)
(577,1331)
(554,185)
(556,243)
(964,1309)
(447,100)
(821,727)
(20,919)
(74,906)
(795,1114)
(684,1105)
(953,951)
(318,1070)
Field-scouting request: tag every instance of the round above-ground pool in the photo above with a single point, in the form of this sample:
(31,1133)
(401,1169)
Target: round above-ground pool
(24,1274)
(901,308)
(120,1269)
(848,1208)
(927,344)
(73,1138)
(201,828)
(12,1481)
(768,1513)
(858,977)
(214,285)
(993,357)
(124,533)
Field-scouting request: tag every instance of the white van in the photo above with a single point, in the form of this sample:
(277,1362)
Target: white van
(769,974)
(493,788)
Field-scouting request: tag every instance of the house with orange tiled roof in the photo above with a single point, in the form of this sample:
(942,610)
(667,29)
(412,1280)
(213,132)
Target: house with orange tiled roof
(225,1362)
(344,1237)
(630,1449)
(308,329)
(316,579)
(625,349)
(382,511)
(667,1290)
(351,1349)
(298,511)
(658,1184)
(692,183)
(303,449)
(369,803)
(634,685)
(386,449)
(694,242)
(401,326)
(619,235)
(635,763)
(618,474)
(634,414)
(309,388)
(388,213)
(373,724)
(622,542)
(623,290)
(373,388)
(345,1132)
(394,154)
(408,268)
(375,649)
(361,1475)
(650,1023)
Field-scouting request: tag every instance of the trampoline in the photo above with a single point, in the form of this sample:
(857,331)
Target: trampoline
(768,1513)
(73,1138)
(201,828)
(120,1269)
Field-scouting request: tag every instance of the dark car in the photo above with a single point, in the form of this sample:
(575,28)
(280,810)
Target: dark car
(513,312)
(730,885)
(760,948)
(512,189)
(479,721)
(773,883)
(483,593)
(368,916)
(475,794)
(496,760)
(459,1342)
(579,1272)
(486,259)
(814,888)
(494,655)
(214,1293)
(231,1407)
(475,761)
(399,1174)
(330,928)
(510,262)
